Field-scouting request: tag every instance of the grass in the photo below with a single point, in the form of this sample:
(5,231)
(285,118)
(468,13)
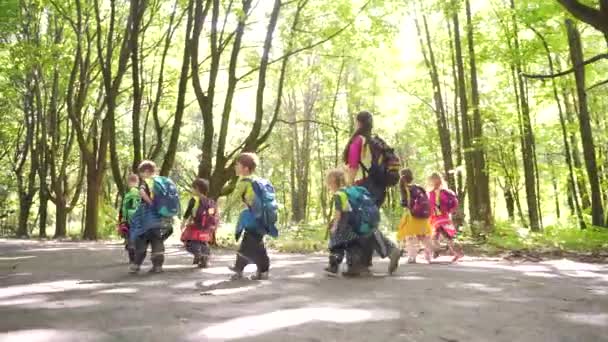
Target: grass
(556,237)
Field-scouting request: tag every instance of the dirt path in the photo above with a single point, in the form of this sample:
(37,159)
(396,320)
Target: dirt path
(82,292)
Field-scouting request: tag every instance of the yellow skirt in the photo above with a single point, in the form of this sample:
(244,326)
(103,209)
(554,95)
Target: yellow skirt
(412,226)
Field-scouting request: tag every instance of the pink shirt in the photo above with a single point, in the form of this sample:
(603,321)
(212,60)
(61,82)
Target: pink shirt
(354,153)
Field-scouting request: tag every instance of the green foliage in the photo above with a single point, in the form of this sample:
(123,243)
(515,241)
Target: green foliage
(556,237)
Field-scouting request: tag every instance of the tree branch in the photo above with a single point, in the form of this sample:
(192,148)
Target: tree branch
(569,71)
(584,13)
(597,85)
(313,45)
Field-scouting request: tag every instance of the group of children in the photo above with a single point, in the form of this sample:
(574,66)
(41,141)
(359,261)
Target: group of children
(146,221)
(426,219)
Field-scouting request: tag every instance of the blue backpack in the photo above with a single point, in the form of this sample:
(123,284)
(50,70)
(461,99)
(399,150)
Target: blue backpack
(166,197)
(265,208)
(365,215)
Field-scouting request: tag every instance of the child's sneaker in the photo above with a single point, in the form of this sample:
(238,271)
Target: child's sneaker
(457,256)
(394,257)
(411,260)
(332,270)
(203,262)
(156,269)
(195,260)
(259,276)
(134,269)
(238,275)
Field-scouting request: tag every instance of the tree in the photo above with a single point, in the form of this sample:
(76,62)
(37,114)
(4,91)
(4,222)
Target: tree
(576,56)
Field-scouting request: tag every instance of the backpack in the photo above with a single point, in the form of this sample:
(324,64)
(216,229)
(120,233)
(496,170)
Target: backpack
(450,203)
(166,197)
(419,203)
(385,166)
(265,207)
(365,215)
(206,221)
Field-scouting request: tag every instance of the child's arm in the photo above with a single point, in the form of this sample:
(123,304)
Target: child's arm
(144,196)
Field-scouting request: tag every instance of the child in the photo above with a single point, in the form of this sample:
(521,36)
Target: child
(201,221)
(149,225)
(342,234)
(130,203)
(443,203)
(413,229)
(252,249)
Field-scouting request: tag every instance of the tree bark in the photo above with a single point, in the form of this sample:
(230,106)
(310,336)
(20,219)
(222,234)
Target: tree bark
(527,135)
(483,210)
(576,56)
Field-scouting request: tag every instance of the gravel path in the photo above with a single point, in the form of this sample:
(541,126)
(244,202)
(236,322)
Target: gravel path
(82,292)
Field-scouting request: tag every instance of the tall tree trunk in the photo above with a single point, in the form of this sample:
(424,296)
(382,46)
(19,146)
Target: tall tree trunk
(567,153)
(443,128)
(94,194)
(466,129)
(576,56)
(527,139)
(583,192)
(482,178)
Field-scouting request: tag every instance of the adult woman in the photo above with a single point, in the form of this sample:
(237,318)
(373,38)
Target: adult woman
(358,158)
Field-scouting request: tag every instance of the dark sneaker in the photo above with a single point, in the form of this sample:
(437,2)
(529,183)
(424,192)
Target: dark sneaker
(411,260)
(259,276)
(394,257)
(203,262)
(332,270)
(195,260)
(134,269)
(156,269)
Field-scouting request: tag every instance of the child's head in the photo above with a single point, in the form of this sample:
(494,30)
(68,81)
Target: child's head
(200,187)
(436,180)
(245,164)
(133,180)
(146,169)
(336,179)
(407,177)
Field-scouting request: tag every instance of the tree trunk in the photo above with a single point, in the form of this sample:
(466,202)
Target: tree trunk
(443,129)
(583,192)
(510,203)
(466,130)
(527,136)
(94,194)
(61,219)
(576,56)
(573,199)
(483,210)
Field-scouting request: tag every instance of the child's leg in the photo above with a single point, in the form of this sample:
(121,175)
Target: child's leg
(141,246)
(204,256)
(158,250)
(412,248)
(426,243)
(243,255)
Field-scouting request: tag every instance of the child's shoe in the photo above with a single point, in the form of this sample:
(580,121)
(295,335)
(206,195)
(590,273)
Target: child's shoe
(134,269)
(259,276)
(457,256)
(156,269)
(332,270)
(394,257)
(203,262)
(195,260)
(411,260)
(238,275)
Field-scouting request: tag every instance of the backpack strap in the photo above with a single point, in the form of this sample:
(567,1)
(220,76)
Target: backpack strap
(437,201)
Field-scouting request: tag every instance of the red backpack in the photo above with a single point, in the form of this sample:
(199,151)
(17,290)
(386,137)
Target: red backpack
(416,199)
(205,222)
